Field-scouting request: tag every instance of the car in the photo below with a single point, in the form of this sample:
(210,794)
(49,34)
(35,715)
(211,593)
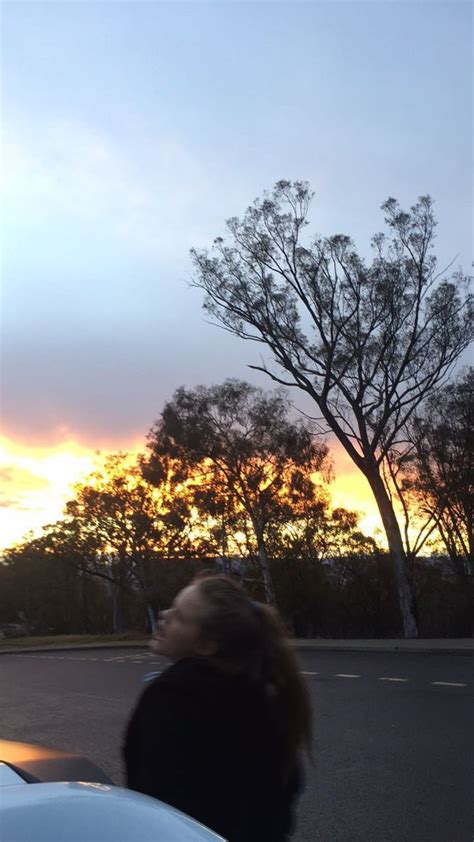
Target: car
(48,795)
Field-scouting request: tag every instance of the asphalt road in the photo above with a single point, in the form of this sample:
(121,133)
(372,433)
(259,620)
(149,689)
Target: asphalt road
(394,734)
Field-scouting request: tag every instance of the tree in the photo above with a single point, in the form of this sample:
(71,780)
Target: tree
(439,470)
(318,534)
(305,551)
(241,452)
(367,342)
(48,592)
(117,525)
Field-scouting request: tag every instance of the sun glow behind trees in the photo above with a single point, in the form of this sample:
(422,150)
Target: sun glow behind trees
(38,481)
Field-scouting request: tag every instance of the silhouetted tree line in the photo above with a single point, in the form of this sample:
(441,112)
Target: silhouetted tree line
(231,481)
(354,596)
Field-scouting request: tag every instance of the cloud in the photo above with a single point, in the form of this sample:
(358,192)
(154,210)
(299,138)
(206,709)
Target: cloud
(22,479)
(39,481)
(157,197)
(9,502)
(95,304)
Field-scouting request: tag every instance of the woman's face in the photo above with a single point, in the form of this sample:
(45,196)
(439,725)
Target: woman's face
(179,629)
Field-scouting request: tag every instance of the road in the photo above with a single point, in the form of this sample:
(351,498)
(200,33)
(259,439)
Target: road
(393,734)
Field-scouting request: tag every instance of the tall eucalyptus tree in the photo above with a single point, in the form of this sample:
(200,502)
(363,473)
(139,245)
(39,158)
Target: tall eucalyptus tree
(367,341)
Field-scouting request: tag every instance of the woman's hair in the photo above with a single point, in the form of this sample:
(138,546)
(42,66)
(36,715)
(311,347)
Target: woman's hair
(251,641)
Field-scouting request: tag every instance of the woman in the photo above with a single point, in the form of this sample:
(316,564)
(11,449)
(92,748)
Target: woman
(217,734)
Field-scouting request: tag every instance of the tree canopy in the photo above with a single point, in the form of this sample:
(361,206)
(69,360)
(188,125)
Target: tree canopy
(439,468)
(242,454)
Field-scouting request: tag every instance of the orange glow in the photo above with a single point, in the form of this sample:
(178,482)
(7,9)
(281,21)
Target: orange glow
(351,490)
(37,482)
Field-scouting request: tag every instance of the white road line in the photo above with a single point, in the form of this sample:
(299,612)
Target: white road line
(134,659)
(92,696)
(346,675)
(386,678)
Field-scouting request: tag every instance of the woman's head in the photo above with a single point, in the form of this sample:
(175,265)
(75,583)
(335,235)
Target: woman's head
(180,629)
(213,618)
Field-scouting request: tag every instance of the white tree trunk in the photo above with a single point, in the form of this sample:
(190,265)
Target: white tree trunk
(406,596)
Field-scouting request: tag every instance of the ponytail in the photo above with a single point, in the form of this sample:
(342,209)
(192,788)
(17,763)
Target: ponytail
(251,641)
(280,674)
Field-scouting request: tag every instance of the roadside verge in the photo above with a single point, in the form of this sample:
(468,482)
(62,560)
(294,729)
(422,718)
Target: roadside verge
(452,646)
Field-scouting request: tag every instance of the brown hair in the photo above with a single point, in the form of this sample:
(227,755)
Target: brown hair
(251,641)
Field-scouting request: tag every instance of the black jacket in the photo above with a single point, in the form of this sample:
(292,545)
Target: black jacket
(202,741)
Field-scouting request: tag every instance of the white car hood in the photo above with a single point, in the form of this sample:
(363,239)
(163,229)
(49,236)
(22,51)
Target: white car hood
(87,812)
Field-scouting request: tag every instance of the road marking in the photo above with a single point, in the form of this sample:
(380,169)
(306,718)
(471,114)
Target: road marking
(145,659)
(346,675)
(92,696)
(134,658)
(386,678)
(115,658)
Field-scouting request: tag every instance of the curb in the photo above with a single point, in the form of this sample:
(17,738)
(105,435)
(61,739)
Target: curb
(71,647)
(460,646)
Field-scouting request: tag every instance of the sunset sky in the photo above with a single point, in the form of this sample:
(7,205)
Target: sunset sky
(130,132)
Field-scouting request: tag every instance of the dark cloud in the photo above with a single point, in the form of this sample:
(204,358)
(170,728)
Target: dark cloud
(107,385)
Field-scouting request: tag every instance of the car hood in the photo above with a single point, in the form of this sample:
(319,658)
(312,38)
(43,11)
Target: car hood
(84,812)
(37,764)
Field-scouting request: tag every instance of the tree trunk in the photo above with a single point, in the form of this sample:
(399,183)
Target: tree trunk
(151,617)
(117,608)
(84,600)
(406,595)
(265,567)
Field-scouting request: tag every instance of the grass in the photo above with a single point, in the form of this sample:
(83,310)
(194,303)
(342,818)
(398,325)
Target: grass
(71,640)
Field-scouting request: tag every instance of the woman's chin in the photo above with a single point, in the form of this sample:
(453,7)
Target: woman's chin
(158,645)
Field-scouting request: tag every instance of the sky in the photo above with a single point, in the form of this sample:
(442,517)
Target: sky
(130,132)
